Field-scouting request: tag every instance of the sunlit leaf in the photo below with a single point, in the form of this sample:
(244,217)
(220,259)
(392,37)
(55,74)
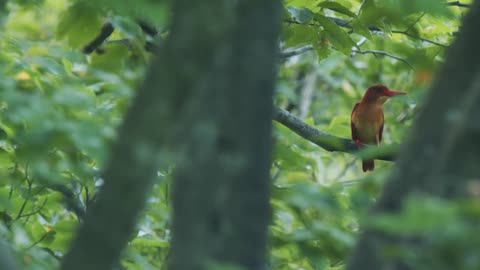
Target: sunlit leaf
(335,34)
(336,6)
(302,15)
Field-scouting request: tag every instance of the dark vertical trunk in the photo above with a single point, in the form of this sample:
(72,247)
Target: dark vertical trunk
(442,154)
(221,187)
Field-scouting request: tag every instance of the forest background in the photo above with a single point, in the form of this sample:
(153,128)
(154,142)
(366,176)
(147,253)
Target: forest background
(98,126)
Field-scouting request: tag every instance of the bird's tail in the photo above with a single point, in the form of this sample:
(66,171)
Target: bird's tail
(368,165)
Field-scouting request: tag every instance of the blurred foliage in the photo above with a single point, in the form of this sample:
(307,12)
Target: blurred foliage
(448,232)
(60,109)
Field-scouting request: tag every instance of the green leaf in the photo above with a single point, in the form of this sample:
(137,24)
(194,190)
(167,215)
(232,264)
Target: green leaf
(322,52)
(112,58)
(6,159)
(80,23)
(127,26)
(66,226)
(288,157)
(301,15)
(295,35)
(335,34)
(335,6)
(155,12)
(340,125)
(360,28)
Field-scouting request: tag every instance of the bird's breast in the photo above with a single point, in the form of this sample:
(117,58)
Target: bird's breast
(368,120)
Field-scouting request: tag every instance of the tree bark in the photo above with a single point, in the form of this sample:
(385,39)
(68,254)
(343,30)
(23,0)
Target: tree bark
(209,93)
(442,154)
(221,184)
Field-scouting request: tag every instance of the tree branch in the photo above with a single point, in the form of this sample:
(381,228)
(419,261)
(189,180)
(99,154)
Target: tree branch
(105,32)
(346,23)
(458,4)
(147,28)
(72,202)
(323,139)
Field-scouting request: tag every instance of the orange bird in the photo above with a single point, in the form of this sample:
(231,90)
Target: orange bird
(366,120)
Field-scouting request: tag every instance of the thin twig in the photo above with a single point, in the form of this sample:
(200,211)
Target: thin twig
(292,52)
(378,52)
(346,23)
(52,253)
(419,38)
(36,211)
(306,48)
(24,204)
(44,236)
(415,22)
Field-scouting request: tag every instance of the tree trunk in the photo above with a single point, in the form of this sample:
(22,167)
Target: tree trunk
(442,154)
(208,91)
(221,186)
(7,257)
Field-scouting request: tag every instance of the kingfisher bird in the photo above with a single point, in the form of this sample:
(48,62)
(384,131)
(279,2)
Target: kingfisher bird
(366,120)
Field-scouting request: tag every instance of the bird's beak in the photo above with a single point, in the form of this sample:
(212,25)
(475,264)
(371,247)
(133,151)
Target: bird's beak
(391,92)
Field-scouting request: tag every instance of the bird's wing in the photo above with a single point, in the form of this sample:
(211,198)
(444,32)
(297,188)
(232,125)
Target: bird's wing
(380,130)
(352,125)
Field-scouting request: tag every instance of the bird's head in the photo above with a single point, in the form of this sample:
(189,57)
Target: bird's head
(380,93)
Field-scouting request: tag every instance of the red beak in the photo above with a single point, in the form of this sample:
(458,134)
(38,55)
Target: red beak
(391,92)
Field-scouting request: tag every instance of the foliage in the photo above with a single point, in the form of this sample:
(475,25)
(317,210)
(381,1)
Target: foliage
(60,109)
(445,228)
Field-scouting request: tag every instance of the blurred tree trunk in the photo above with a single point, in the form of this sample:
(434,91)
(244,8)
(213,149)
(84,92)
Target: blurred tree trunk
(7,257)
(208,95)
(221,187)
(442,155)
